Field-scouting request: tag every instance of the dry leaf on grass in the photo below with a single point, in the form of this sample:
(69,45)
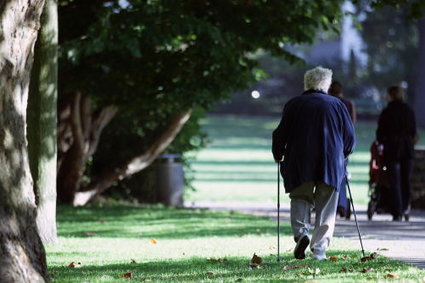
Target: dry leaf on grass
(128,275)
(382,249)
(90,234)
(256,259)
(255,262)
(153,241)
(367,258)
(102,221)
(210,273)
(133,261)
(239,280)
(390,275)
(287,267)
(333,258)
(75,264)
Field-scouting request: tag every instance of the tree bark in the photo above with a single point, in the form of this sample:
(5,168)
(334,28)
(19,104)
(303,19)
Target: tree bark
(22,255)
(135,164)
(42,120)
(79,134)
(419,95)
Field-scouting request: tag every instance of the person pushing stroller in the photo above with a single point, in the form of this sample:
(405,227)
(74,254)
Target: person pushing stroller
(397,133)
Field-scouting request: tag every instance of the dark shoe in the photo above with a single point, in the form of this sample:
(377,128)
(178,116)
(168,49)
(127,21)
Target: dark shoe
(341,211)
(302,244)
(397,218)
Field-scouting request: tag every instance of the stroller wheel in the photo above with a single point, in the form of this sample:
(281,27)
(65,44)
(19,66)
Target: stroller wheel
(407,217)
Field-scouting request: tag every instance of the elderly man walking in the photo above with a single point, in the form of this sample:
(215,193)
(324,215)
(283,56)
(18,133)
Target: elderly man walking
(312,142)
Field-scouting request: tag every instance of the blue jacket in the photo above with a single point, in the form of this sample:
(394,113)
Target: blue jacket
(314,136)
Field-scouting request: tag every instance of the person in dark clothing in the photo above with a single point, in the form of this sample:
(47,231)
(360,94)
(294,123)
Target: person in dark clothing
(336,90)
(397,133)
(314,137)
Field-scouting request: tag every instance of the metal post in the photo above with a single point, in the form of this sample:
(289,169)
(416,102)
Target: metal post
(278,211)
(355,216)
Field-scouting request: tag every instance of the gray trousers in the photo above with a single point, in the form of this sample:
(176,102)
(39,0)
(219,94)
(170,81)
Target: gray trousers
(324,199)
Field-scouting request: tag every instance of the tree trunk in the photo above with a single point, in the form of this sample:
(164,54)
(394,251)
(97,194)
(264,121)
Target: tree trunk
(419,95)
(79,134)
(42,119)
(22,255)
(136,164)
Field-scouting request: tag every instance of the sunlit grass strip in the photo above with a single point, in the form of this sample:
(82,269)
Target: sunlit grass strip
(158,244)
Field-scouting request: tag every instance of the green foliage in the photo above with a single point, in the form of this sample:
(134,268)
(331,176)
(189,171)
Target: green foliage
(391,42)
(154,59)
(415,8)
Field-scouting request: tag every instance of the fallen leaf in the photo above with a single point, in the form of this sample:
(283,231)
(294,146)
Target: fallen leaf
(344,269)
(390,275)
(133,261)
(367,258)
(333,258)
(102,221)
(153,241)
(287,267)
(239,280)
(367,269)
(128,275)
(210,273)
(382,249)
(90,234)
(256,259)
(75,265)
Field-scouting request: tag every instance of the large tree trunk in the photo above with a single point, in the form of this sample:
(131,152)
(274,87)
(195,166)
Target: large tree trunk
(135,164)
(42,120)
(79,134)
(22,255)
(419,95)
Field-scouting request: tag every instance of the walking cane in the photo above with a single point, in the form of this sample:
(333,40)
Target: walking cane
(278,211)
(354,212)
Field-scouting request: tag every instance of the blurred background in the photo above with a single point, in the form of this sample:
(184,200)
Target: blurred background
(177,100)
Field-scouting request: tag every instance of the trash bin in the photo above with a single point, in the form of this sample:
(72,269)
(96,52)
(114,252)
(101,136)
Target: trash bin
(170,179)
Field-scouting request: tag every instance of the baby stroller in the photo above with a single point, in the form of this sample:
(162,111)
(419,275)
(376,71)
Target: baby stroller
(378,183)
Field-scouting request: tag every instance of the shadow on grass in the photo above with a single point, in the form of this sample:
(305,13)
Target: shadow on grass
(160,222)
(346,266)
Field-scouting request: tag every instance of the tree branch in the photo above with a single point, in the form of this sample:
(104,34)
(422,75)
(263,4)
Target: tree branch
(135,164)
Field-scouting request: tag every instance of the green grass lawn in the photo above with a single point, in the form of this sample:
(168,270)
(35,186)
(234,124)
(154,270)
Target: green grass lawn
(238,165)
(158,244)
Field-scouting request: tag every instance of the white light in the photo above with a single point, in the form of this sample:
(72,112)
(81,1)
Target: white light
(255,94)
(404,84)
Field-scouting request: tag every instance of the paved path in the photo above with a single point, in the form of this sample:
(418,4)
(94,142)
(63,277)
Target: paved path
(404,241)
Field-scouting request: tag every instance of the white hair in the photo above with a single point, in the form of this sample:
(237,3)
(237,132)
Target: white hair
(318,79)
